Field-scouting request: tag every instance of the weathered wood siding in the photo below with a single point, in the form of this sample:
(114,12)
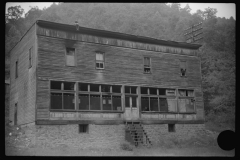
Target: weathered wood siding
(23,89)
(123,65)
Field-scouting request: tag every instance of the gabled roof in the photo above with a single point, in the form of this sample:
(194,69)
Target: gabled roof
(116,35)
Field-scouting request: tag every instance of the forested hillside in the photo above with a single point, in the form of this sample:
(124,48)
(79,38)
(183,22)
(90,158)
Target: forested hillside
(159,21)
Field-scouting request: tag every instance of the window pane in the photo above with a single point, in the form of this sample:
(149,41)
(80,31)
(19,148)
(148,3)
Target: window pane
(145,103)
(163,104)
(83,86)
(56,100)
(154,104)
(162,91)
(99,56)
(83,102)
(97,65)
(117,104)
(94,87)
(70,51)
(68,85)
(147,70)
(144,90)
(105,88)
(153,91)
(95,102)
(182,92)
(182,105)
(127,103)
(107,102)
(56,85)
(134,101)
(189,105)
(134,90)
(116,89)
(127,89)
(190,93)
(68,101)
(172,103)
(101,65)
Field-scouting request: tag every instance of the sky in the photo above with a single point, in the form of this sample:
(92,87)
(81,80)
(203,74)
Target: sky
(224,9)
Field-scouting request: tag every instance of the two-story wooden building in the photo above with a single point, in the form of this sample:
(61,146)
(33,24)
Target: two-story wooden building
(88,87)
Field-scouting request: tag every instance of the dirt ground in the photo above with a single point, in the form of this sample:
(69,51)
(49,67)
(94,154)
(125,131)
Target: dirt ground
(141,151)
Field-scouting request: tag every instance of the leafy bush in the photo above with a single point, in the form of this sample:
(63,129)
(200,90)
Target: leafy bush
(126,146)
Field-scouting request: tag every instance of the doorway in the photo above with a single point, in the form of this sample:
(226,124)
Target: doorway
(131,108)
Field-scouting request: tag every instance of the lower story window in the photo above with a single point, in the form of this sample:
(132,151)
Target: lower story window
(62,101)
(83,128)
(171,127)
(185,105)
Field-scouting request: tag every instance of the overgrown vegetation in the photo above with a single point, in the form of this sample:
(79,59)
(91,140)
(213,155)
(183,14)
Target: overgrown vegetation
(126,146)
(162,21)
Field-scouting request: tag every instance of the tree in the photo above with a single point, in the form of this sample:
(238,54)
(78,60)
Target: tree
(13,14)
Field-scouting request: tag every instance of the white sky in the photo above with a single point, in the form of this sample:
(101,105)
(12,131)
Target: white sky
(224,9)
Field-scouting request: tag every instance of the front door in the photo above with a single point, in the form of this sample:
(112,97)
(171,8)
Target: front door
(131,108)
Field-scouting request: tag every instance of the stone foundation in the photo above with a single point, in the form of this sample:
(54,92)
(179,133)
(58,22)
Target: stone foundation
(160,132)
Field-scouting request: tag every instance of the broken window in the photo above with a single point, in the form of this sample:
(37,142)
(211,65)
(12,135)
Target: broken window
(186,100)
(94,87)
(105,88)
(116,89)
(68,85)
(16,70)
(107,102)
(144,90)
(145,103)
(82,86)
(183,68)
(56,100)
(99,60)
(163,104)
(117,103)
(68,101)
(30,58)
(172,104)
(147,65)
(95,102)
(162,91)
(83,101)
(56,85)
(153,104)
(70,56)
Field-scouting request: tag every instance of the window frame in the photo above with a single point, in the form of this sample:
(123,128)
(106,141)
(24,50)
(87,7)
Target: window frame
(99,61)
(74,56)
(150,65)
(187,97)
(180,66)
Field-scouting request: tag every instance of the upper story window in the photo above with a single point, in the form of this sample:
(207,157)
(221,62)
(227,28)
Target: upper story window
(16,69)
(183,68)
(99,60)
(147,65)
(30,57)
(70,56)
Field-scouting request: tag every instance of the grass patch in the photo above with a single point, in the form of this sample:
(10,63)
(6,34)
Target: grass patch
(126,146)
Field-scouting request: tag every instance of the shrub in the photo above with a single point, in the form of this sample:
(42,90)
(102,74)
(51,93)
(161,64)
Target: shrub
(126,146)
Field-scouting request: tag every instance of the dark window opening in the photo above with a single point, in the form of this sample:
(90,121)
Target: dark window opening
(117,103)
(68,101)
(147,65)
(134,101)
(183,72)
(133,90)
(127,101)
(83,86)
(145,103)
(83,101)
(94,87)
(163,104)
(83,128)
(162,91)
(56,100)
(153,104)
(116,89)
(127,89)
(105,88)
(30,58)
(95,102)
(106,102)
(183,68)
(68,85)
(16,69)
(56,85)
(144,90)
(147,70)
(99,60)
(153,91)
(171,127)
(70,51)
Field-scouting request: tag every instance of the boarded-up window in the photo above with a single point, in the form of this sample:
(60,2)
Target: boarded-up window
(154,104)
(117,104)
(163,104)
(30,58)
(172,105)
(83,102)
(99,60)
(95,102)
(56,100)
(147,65)
(70,56)
(68,101)
(183,68)
(106,102)
(145,103)
(181,105)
